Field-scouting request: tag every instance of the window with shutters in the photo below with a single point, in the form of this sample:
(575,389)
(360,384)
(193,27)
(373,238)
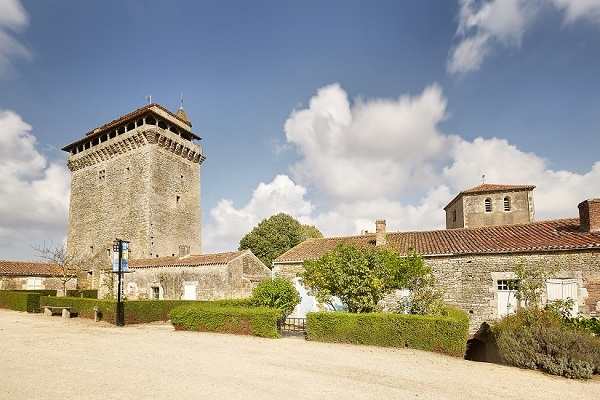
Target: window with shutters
(488,205)
(507,203)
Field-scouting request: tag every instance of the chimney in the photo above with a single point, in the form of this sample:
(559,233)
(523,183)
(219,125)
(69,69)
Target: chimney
(589,215)
(380,233)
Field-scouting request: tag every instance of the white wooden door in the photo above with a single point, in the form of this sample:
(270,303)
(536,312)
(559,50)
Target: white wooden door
(563,289)
(507,302)
(189,290)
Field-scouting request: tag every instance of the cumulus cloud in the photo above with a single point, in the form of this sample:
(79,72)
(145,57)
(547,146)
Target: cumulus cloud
(368,149)
(13,18)
(486,24)
(388,158)
(228,224)
(33,190)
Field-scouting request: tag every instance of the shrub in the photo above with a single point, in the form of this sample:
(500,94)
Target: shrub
(539,339)
(20,300)
(443,334)
(227,319)
(41,292)
(278,293)
(87,294)
(360,276)
(136,312)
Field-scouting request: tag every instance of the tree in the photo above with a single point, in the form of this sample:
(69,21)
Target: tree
(278,293)
(69,266)
(360,277)
(275,235)
(531,282)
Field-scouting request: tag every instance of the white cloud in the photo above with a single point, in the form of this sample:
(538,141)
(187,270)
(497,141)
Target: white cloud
(33,191)
(367,150)
(12,18)
(579,9)
(389,159)
(486,24)
(228,224)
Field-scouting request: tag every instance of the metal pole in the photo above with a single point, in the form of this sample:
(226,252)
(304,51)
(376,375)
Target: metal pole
(120,311)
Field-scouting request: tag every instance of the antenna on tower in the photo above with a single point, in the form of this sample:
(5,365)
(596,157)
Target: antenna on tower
(149,99)
(483,179)
(181,101)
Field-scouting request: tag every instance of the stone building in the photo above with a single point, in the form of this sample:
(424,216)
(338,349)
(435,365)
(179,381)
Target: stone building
(474,266)
(195,277)
(488,205)
(23,275)
(136,178)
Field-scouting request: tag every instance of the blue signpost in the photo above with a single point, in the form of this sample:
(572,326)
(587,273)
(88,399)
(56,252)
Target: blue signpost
(120,266)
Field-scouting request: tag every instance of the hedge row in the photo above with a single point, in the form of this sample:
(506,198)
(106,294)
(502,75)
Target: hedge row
(20,300)
(136,311)
(256,321)
(87,294)
(82,306)
(445,334)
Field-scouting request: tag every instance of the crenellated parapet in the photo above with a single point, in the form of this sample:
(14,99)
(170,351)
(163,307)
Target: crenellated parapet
(133,140)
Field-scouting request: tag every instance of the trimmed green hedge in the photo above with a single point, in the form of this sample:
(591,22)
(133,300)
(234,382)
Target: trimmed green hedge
(136,311)
(83,307)
(21,300)
(42,292)
(256,321)
(443,334)
(87,294)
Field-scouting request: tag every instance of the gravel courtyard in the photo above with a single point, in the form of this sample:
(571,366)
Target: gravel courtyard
(52,358)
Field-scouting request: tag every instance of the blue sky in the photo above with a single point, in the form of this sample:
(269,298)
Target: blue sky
(345,111)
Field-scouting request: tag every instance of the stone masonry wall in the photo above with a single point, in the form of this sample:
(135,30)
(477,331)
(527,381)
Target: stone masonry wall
(20,283)
(469,282)
(128,187)
(234,280)
(474,210)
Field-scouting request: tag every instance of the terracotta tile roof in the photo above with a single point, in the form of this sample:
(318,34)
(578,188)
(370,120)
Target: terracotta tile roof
(555,235)
(28,268)
(132,115)
(187,261)
(490,188)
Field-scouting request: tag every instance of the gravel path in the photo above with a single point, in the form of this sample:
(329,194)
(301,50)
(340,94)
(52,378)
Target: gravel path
(51,358)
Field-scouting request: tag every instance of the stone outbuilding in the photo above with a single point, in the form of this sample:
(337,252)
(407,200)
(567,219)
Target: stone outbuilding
(474,266)
(27,275)
(195,277)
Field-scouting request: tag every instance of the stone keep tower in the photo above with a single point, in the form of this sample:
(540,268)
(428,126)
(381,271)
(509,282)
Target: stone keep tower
(136,178)
(491,205)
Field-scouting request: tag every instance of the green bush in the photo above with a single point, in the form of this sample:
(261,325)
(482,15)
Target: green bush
(278,293)
(539,339)
(87,294)
(41,292)
(137,311)
(20,300)
(256,321)
(443,334)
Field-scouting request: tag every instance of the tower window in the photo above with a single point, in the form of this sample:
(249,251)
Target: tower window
(453,215)
(177,199)
(131,126)
(161,124)
(507,203)
(150,120)
(488,205)
(102,175)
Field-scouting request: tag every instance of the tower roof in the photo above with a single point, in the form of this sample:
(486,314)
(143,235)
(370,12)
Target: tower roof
(490,188)
(178,118)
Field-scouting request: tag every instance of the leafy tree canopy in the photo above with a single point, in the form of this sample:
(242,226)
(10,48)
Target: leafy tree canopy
(360,277)
(278,293)
(275,235)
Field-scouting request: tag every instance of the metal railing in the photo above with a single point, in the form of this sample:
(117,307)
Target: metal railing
(293,325)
